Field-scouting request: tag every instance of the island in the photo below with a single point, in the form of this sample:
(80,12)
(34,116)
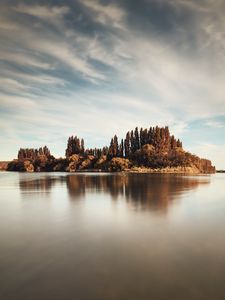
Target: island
(152,150)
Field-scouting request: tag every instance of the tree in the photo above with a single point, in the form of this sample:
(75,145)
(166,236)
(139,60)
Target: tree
(82,145)
(127,145)
(173,143)
(136,139)
(121,149)
(33,154)
(74,146)
(179,143)
(132,142)
(116,146)
(110,152)
(150,138)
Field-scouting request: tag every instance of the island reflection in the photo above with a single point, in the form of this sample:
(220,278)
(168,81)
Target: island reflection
(142,191)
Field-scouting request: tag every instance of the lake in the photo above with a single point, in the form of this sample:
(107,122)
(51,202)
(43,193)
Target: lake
(112,236)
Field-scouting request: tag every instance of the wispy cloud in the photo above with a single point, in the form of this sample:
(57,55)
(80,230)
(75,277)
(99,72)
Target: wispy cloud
(42,11)
(77,66)
(107,14)
(215,124)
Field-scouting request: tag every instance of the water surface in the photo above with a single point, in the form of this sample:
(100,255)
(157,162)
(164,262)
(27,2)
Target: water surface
(112,236)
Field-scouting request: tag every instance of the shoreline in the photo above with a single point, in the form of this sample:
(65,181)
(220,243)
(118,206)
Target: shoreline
(190,170)
(143,171)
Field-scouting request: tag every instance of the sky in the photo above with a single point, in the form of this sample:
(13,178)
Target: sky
(96,68)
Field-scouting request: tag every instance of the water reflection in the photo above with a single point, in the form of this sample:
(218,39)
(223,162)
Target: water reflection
(143,191)
(38,185)
(79,236)
(44,184)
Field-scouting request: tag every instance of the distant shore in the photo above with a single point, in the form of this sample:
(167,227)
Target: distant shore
(135,170)
(152,150)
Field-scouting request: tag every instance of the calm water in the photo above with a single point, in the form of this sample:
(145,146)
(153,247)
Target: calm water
(102,236)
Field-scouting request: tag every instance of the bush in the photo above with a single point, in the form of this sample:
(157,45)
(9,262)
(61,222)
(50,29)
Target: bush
(119,164)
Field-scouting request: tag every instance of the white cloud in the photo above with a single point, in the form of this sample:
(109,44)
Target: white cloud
(152,80)
(109,14)
(42,12)
(192,5)
(24,59)
(66,54)
(61,48)
(11,84)
(16,104)
(215,124)
(29,79)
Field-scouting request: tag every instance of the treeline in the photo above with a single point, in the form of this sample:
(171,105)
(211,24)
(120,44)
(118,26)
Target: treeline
(33,154)
(153,148)
(159,138)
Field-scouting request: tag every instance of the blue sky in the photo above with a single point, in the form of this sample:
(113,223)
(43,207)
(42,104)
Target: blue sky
(95,68)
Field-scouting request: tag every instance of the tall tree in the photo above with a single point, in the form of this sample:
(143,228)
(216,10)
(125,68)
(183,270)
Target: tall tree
(82,146)
(115,146)
(73,146)
(121,149)
(132,142)
(127,149)
(110,152)
(136,139)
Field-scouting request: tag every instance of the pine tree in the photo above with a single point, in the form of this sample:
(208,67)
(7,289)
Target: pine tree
(157,139)
(127,145)
(74,146)
(167,139)
(121,149)
(82,146)
(136,139)
(150,136)
(132,142)
(110,152)
(115,146)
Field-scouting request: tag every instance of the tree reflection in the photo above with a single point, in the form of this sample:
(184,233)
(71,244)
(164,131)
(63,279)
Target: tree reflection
(142,191)
(40,184)
(153,191)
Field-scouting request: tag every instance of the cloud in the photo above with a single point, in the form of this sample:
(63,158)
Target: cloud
(215,124)
(11,84)
(30,40)
(64,53)
(108,15)
(17,103)
(192,5)
(50,15)
(24,59)
(42,12)
(75,67)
